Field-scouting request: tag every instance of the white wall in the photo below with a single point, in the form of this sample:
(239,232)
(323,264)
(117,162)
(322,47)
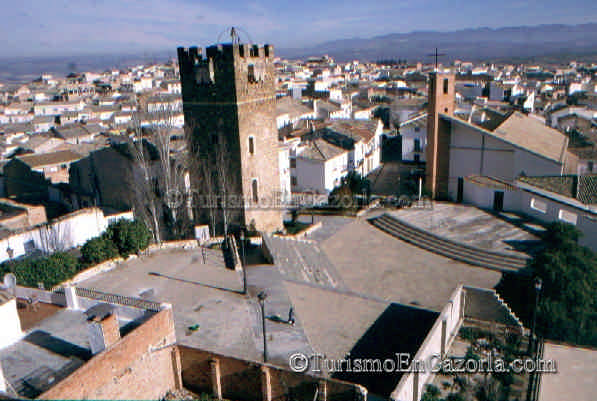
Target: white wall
(11,324)
(284,168)
(519,201)
(452,313)
(335,169)
(409,133)
(68,232)
(475,153)
(586,220)
(310,175)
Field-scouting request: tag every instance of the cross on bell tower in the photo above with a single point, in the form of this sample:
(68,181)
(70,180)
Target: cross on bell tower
(436,55)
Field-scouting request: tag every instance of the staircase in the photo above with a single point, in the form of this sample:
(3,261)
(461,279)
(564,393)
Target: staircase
(448,248)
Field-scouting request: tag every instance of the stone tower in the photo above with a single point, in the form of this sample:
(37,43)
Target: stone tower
(229,107)
(440,101)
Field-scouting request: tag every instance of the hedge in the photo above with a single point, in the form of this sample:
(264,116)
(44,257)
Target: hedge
(122,238)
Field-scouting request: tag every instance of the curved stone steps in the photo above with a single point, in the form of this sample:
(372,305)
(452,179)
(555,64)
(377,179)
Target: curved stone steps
(445,247)
(457,247)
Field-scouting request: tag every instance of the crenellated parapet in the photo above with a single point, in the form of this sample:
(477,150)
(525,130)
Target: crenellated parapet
(209,72)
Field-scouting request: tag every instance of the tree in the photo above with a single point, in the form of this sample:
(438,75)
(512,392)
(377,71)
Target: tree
(568,307)
(352,184)
(97,250)
(128,236)
(211,160)
(159,180)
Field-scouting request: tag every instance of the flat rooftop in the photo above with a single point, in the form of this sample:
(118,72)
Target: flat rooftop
(207,297)
(50,350)
(575,377)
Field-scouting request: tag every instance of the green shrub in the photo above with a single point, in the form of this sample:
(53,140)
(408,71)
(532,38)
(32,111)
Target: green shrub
(97,250)
(567,307)
(128,236)
(50,270)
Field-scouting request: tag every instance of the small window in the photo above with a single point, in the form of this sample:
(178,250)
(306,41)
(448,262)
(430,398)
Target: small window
(255,194)
(251,145)
(293,181)
(538,205)
(293,163)
(417,129)
(445,86)
(251,73)
(567,216)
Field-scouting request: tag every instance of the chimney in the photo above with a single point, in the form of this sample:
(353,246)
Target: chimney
(72,301)
(103,328)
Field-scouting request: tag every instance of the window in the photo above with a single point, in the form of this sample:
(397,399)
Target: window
(251,73)
(538,205)
(417,129)
(293,181)
(445,86)
(590,166)
(255,194)
(567,216)
(417,145)
(251,145)
(292,163)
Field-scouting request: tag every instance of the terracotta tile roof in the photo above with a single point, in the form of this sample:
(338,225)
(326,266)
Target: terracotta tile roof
(293,107)
(319,149)
(531,134)
(49,159)
(355,129)
(583,188)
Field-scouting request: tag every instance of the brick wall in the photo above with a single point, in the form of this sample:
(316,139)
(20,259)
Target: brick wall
(139,366)
(244,380)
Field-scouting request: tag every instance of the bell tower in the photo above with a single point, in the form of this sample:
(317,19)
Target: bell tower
(440,101)
(229,107)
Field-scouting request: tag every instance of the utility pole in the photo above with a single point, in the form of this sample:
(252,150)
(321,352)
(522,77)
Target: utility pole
(262,296)
(538,285)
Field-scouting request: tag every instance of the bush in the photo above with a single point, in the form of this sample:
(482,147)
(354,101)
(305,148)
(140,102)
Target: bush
(122,237)
(128,236)
(50,270)
(97,250)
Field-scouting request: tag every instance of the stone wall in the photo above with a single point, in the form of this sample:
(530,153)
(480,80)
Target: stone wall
(228,98)
(435,346)
(144,364)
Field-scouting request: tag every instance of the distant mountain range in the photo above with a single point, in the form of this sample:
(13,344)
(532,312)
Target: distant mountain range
(542,43)
(548,43)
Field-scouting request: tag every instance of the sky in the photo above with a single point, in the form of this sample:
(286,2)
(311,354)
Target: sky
(60,27)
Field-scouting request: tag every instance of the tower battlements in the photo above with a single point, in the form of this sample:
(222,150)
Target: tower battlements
(226,51)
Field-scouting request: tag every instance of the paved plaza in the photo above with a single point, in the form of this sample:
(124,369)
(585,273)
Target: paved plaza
(472,226)
(372,262)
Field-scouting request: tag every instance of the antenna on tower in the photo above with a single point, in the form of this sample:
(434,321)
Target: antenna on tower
(234,34)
